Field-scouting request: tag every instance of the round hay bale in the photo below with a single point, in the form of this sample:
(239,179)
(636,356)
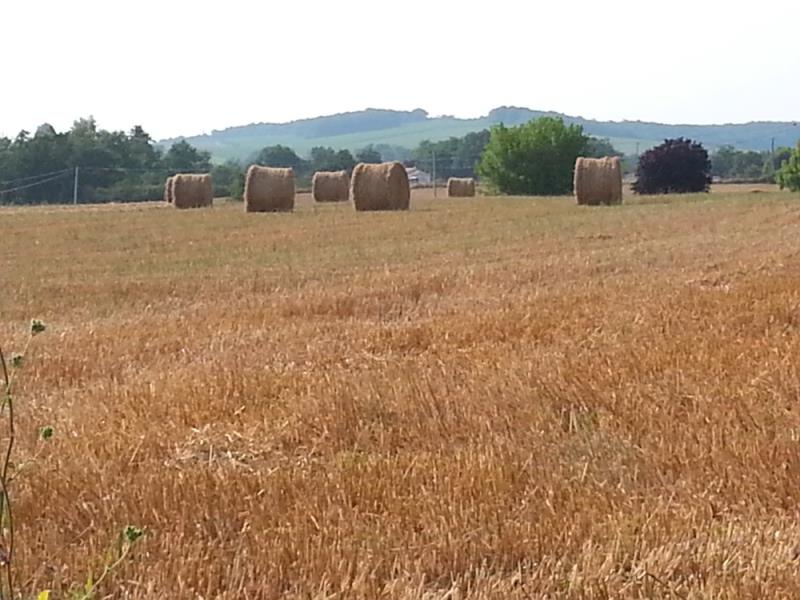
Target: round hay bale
(598,181)
(169,190)
(192,191)
(268,189)
(330,186)
(380,187)
(461,187)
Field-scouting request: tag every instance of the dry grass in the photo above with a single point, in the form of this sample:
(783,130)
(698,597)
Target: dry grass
(510,398)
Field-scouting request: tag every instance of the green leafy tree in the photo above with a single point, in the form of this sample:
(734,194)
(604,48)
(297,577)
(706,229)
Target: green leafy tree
(455,157)
(279,156)
(788,175)
(723,162)
(114,165)
(328,159)
(536,158)
(369,154)
(600,147)
(732,164)
(45,130)
(228,180)
(140,150)
(780,156)
(182,156)
(773,164)
(84,128)
(749,165)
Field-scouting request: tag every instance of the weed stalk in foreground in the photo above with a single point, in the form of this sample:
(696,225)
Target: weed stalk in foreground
(9,366)
(14,362)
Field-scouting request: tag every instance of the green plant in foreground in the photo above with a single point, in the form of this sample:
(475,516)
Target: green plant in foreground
(14,361)
(115,555)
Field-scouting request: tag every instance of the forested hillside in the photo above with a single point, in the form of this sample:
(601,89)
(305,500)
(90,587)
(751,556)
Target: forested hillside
(407,129)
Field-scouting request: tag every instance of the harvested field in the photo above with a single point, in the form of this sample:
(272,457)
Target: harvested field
(506,398)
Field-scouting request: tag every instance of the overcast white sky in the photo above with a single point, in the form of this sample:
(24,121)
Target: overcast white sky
(181,68)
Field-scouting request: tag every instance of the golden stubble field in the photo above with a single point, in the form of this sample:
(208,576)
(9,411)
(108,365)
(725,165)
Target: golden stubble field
(490,398)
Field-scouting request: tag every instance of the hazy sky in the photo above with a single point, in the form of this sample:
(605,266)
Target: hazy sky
(182,68)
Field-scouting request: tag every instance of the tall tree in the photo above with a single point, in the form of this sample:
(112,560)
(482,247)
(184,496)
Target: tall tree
(328,159)
(369,154)
(279,156)
(535,158)
(182,156)
(600,147)
(45,130)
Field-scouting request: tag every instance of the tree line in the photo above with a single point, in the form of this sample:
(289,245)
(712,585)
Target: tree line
(538,157)
(730,164)
(533,158)
(113,165)
(39,167)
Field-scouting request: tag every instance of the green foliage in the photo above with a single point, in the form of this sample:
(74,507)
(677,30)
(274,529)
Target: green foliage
(114,557)
(278,156)
(322,159)
(459,156)
(228,180)
(369,154)
(788,176)
(114,165)
(455,157)
(328,159)
(781,156)
(600,147)
(45,130)
(132,534)
(182,156)
(536,158)
(745,165)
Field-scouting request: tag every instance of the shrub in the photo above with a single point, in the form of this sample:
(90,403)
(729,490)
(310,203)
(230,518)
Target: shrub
(678,166)
(788,175)
(535,158)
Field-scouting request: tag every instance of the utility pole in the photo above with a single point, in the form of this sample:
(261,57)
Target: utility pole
(434,173)
(75,187)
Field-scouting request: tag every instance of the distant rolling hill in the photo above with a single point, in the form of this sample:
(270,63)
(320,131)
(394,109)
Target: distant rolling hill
(355,130)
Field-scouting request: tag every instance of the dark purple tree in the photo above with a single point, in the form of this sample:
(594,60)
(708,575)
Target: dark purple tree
(678,166)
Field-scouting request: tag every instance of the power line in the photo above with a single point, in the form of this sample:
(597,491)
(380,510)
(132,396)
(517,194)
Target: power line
(137,170)
(36,183)
(31,177)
